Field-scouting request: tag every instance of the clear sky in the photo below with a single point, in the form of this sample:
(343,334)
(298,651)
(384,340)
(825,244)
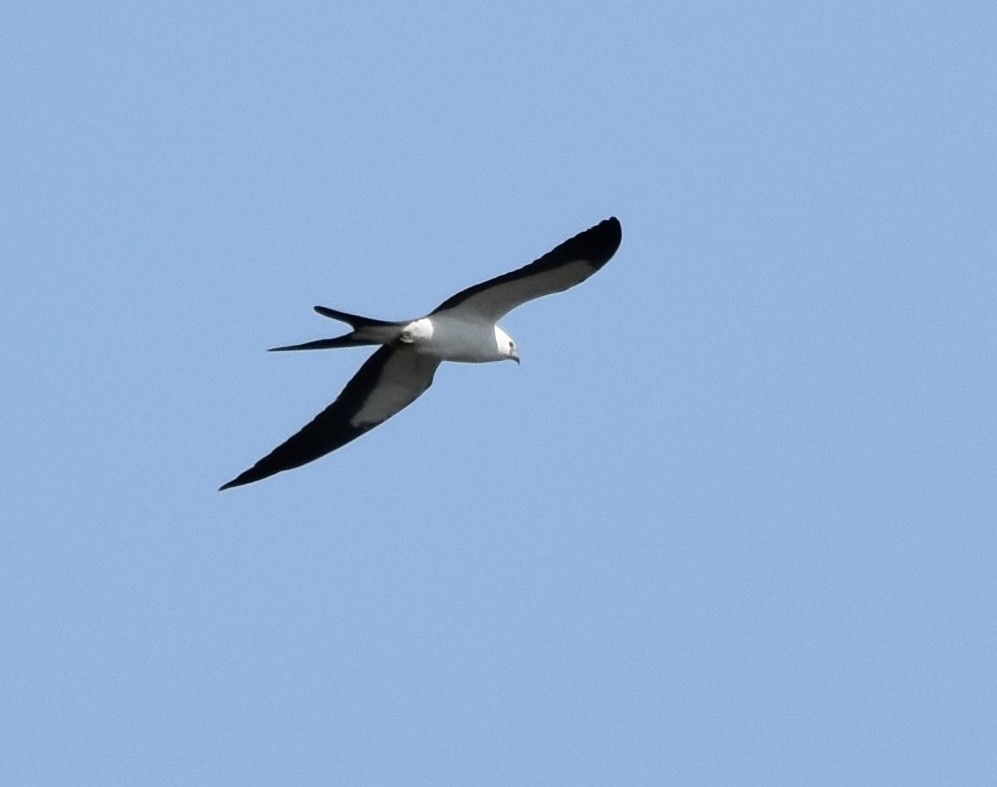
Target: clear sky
(731,521)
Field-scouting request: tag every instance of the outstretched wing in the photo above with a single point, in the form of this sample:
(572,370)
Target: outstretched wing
(391,379)
(569,264)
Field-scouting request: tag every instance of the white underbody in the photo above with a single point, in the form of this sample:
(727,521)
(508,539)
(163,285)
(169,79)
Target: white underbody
(452,339)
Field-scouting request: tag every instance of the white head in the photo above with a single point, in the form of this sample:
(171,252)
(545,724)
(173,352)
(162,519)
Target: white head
(506,345)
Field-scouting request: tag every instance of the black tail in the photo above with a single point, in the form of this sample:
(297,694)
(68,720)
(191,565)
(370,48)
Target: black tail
(355,321)
(365,331)
(350,340)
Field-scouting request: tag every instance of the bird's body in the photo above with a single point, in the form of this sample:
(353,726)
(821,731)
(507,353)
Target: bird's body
(463,328)
(448,338)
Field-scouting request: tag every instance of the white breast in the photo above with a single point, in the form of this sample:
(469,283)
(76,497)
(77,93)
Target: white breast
(458,340)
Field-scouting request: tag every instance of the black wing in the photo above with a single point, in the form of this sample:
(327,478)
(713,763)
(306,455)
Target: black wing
(391,379)
(569,264)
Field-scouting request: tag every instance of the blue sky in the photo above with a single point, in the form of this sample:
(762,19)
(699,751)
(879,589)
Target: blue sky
(731,521)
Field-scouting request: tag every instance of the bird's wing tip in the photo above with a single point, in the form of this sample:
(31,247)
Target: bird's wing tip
(237,481)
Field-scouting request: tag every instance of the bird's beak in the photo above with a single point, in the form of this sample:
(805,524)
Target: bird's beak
(515,358)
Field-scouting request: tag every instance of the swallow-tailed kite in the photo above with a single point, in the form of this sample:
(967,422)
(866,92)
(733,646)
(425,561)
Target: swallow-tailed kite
(462,328)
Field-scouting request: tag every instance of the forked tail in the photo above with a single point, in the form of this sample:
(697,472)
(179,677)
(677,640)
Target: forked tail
(365,331)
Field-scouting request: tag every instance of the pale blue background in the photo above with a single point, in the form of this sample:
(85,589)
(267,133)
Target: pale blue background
(731,521)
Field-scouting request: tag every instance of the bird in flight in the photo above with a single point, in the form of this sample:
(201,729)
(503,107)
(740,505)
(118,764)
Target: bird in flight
(463,328)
